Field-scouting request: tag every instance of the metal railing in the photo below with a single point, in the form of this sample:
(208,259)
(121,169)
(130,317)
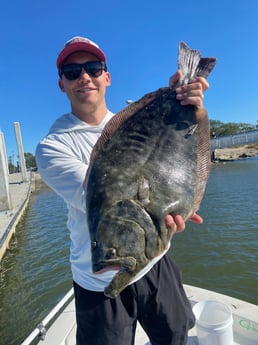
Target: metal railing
(234,140)
(40,331)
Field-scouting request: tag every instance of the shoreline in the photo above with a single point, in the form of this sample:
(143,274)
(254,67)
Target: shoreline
(235,153)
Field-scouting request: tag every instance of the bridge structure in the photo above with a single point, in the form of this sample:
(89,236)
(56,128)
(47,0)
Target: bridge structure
(234,140)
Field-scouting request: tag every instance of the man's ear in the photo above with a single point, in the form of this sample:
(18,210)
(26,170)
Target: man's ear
(61,85)
(108,79)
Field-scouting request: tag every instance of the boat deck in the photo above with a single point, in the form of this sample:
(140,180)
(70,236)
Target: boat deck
(245,321)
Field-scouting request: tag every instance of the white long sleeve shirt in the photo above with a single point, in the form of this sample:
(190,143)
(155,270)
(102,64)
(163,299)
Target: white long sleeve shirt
(62,159)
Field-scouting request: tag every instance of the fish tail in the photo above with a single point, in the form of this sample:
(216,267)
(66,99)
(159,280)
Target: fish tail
(205,66)
(192,65)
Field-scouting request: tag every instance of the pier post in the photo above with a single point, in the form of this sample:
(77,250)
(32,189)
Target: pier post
(5,199)
(20,151)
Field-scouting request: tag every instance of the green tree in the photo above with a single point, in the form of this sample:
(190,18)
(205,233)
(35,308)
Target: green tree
(11,167)
(221,128)
(30,160)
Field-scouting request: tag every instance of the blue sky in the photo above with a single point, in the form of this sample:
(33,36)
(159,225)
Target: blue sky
(140,39)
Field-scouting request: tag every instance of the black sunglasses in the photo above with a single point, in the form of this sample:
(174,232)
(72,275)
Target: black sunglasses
(74,70)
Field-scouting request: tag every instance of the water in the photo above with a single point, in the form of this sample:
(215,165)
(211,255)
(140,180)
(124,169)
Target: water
(35,273)
(220,254)
(223,251)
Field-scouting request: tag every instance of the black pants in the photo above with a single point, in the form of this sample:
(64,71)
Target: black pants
(157,301)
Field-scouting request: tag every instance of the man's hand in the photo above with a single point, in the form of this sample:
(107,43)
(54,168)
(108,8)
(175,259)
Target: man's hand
(191,93)
(177,224)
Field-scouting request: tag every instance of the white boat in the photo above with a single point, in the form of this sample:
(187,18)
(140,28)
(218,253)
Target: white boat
(62,331)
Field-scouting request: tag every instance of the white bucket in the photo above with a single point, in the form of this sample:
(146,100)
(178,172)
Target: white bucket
(213,323)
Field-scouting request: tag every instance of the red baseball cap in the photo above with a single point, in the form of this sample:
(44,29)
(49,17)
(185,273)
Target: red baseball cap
(76,44)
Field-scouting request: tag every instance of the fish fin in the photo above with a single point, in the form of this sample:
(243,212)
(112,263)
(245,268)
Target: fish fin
(116,121)
(188,60)
(192,64)
(205,66)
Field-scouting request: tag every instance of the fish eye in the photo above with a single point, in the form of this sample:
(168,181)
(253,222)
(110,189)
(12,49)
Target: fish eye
(111,253)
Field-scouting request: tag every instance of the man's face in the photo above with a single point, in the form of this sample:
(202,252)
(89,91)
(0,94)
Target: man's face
(85,93)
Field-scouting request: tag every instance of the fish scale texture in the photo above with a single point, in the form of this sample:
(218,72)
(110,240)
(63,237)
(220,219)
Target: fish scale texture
(151,160)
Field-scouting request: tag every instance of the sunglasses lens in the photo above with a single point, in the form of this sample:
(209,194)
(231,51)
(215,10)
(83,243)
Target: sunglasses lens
(72,71)
(94,68)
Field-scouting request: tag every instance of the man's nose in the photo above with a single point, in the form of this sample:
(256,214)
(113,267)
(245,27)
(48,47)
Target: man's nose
(84,74)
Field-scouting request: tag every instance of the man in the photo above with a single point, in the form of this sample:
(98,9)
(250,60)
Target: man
(157,298)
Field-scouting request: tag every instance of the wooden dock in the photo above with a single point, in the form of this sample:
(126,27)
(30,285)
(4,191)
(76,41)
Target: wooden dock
(19,195)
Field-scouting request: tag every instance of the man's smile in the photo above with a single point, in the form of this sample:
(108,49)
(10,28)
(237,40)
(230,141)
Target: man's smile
(85,89)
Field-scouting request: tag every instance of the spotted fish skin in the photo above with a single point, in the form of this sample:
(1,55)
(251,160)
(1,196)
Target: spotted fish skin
(152,159)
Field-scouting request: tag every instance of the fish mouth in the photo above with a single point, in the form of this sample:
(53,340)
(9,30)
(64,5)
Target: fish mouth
(126,263)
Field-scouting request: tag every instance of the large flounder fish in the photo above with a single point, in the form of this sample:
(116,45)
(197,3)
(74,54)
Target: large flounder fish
(151,160)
